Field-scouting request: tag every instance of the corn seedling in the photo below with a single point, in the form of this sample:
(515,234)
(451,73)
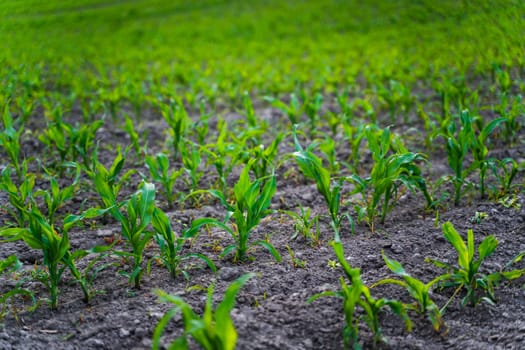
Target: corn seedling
(134,137)
(504,171)
(135,216)
(70,141)
(10,141)
(396,96)
(328,149)
(420,291)
(159,169)
(480,150)
(20,197)
(458,143)
(356,294)
(171,245)
(11,264)
(305,225)
(296,262)
(112,177)
(389,173)
(191,160)
(355,136)
(55,198)
(213,331)
(293,111)
(263,159)
(250,205)
(312,167)
(466,274)
(42,235)
(312,107)
(222,155)
(178,121)
(512,109)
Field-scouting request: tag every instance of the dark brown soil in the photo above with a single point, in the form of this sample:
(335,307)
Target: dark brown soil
(272,310)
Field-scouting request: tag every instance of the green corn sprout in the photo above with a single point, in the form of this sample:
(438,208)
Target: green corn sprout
(355,136)
(396,96)
(293,111)
(312,107)
(191,160)
(171,245)
(505,172)
(177,118)
(511,108)
(129,127)
(71,141)
(222,155)
(261,158)
(10,141)
(388,174)
(356,294)
(159,169)
(311,167)
(480,150)
(134,221)
(55,198)
(111,177)
(214,330)
(466,274)
(9,265)
(328,148)
(417,289)
(250,205)
(458,144)
(201,127)
(305,225)
(42,235)
(20,197)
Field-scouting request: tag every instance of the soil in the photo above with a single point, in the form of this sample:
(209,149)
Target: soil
(272,311)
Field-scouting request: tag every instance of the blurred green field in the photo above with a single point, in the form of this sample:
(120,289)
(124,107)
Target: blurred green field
(222,48)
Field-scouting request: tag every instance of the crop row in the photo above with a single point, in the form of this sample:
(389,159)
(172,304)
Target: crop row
(240,164)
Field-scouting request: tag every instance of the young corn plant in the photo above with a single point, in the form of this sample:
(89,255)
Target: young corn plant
(112,177)
(21,196)
(458,144)
(389,173)
(355,295)
(250,205)
(135,216)
(293,111)
(466,275)
(480,151)
(178,121)
(312,167)
(262,159)
(42,235)
(312,107)
(191,160)
(10,141)
(171,245)
(222,155)
(134,137)
(159,169)
(305,225)
(420,291)
(512,109)
(11,264)
(55,198)
(396,96)
(504,171)
(214,330)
